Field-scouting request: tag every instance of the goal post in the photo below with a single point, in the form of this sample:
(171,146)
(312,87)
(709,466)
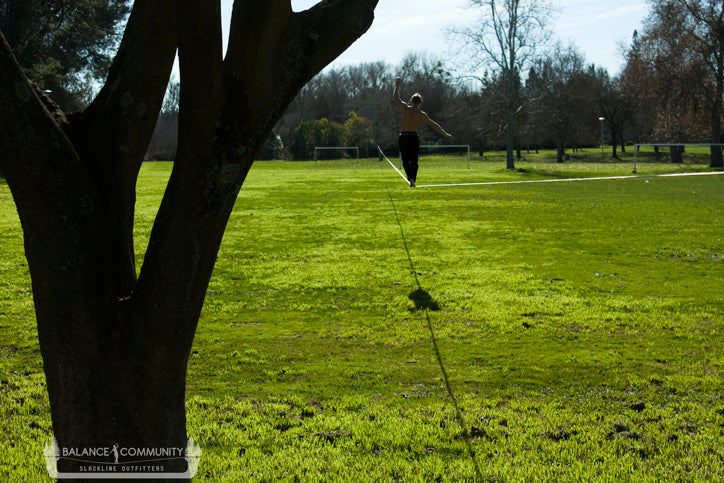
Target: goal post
(335,148)
(465,148)
(666,145)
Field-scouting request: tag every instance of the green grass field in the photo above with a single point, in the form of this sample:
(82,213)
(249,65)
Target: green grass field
(579,325)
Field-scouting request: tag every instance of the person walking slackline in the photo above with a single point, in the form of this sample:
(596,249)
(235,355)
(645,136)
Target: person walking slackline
(409,142)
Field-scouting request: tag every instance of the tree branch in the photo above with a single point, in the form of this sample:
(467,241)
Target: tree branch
(55,198)
(112,134)
(192,217)
(333,25)
(123,115)
(200,64)
(272,54)
(302,43)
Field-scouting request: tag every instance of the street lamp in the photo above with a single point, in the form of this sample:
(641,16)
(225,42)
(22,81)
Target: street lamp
(601,119)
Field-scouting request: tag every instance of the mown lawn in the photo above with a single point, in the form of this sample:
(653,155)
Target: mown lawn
(579,325)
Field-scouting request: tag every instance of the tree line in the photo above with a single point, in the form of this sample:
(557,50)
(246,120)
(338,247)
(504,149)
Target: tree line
(546,96)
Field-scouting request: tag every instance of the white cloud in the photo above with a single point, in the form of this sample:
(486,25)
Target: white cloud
(600,14)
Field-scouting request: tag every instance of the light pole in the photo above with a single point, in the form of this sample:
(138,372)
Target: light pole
(601,119)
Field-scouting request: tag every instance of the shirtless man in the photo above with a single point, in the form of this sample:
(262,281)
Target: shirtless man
(412,116)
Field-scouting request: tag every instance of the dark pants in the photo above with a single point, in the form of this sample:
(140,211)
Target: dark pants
(409,150)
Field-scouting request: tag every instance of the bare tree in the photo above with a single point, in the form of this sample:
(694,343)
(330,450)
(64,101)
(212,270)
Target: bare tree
(505,36)
(707,37)
(558,94)
(613,105)
(677,67)
(115,343)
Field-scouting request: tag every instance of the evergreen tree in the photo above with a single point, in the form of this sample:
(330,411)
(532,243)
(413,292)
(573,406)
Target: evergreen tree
(64,47)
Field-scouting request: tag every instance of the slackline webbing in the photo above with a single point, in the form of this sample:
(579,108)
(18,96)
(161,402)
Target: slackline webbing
(597,178)
(393,166)
(558,180)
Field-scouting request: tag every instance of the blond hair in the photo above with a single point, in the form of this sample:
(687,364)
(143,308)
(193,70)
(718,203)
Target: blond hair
(416,98)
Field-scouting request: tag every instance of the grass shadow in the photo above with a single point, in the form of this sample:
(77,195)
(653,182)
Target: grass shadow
(423,300)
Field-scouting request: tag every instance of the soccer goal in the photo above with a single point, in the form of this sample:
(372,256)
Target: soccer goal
(341,149)
(446,151)
(666,145)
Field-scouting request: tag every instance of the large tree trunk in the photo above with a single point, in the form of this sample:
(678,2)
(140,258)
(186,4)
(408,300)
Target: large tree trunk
(115,344)
(120,391)
(511,126)
(561,152)
(510,142)
(511,105)
(716,159)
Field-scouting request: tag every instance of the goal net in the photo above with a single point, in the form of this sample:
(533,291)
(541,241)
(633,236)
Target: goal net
(336,152)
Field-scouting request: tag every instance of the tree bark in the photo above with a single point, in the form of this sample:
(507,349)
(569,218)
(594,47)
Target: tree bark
(676,153)
(716,158)
(115,344)
(511,108)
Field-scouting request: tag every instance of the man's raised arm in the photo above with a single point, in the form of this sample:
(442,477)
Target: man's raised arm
(396,93)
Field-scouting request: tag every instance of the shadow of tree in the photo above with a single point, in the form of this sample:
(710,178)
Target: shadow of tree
(423,300)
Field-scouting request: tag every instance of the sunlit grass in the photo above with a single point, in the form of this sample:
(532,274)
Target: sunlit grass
(580,325)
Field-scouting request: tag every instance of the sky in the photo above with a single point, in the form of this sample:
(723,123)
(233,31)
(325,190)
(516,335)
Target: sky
(598,28)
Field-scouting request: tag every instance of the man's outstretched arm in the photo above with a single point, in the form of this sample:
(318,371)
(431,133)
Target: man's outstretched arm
(437,128)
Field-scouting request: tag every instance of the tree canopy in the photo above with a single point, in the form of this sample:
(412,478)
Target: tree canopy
(63,46)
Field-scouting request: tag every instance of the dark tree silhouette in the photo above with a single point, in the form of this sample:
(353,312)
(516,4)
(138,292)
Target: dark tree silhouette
(115,343)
